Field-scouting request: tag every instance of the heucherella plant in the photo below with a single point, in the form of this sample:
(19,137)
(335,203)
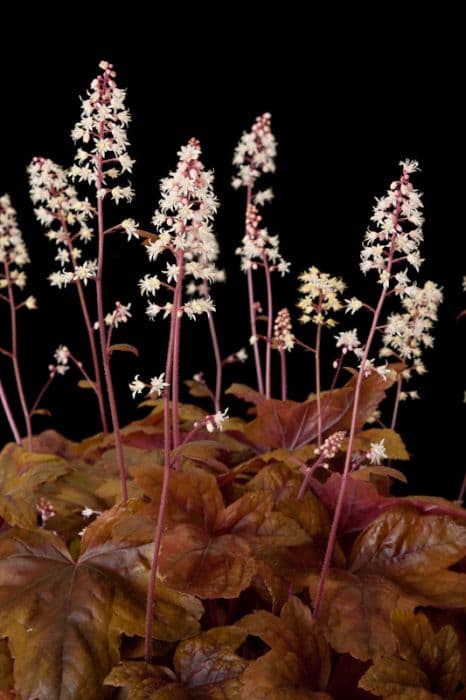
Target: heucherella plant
(257,555)
(394,238)
(66,218)
(255,155)
(101,162)
(14,256)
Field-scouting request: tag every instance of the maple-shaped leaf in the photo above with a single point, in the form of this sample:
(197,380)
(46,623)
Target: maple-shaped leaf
(415,551)
(208,549)
(393,444)
(428,664)
(291,424)
(206,667)
(298,664)
(283,483)
(355,612)
(63,617)
(362,503)
(373,391)
(21,474)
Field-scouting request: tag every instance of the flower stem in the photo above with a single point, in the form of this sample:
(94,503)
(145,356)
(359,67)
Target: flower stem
(252,313)
(218,362)
(318,387)
(399,384)
(283,370)
(103,338)
(176,319)
(357,393)
(89,329)
(268,350)
(9,414)
(14,355)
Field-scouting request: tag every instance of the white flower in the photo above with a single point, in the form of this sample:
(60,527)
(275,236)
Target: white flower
(62,355)
(377,452)
(241,355)
(157,384)
(348,340)
(255,153)
(215,422)
(88,512)
(136,386)
(130,227)
(31,303)
(149,284)
(172,272)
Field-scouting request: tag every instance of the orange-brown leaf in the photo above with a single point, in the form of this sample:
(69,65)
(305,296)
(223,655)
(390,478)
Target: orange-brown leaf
(415,551)
(195,562)
(355,613)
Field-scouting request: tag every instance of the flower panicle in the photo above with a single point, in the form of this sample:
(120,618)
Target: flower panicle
(103,156)
(320,297)
(255,155)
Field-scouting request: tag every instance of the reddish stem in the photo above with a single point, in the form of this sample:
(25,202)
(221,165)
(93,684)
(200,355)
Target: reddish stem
(346,470)
(399,384)
(218,362)
(318,387)
(163,495)
(14,354)
(9,414)
(252,313)
(268,350)
(283,371)
(102,334)
(176,349)
(42,391)
(89,329)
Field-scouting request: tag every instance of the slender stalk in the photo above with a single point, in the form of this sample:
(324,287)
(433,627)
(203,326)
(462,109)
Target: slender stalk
(337,372)
(268,350)
(90,332)
(14,355)
(252,321)
(252,313)
(102,334)
(42,392)
(163,495)
(460,498)
(284,374)
(218,362)
(9,414)
(357,393)
(177,315)
(399,384)
(318,387)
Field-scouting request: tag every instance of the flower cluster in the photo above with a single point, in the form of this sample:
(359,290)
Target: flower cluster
(320,297)
(406,334)
(282,331)
(259,246)
(348,341)
(397,232)
(120,314)
(58,207)
(183,222)
(13,251)
(155,387)
(331,445)
(103,157)
(61,356)
(255,154)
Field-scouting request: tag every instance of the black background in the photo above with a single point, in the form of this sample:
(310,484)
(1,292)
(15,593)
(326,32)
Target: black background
(346,108)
